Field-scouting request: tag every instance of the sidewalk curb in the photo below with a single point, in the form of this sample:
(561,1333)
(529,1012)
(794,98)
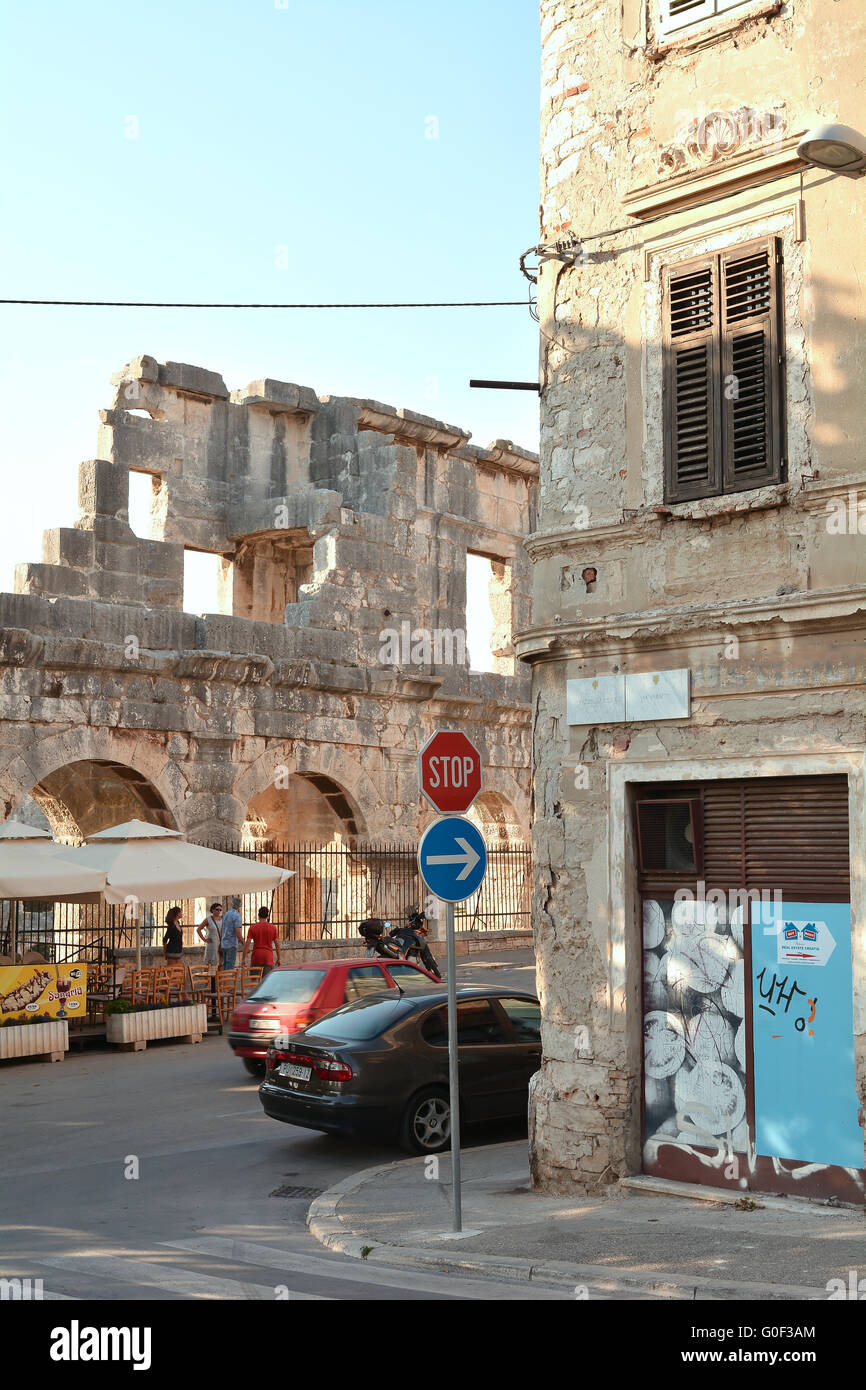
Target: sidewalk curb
(324,1223)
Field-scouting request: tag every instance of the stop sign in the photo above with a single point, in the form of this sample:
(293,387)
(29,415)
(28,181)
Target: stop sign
(449,771)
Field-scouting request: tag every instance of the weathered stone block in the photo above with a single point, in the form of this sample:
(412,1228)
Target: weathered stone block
(195,380)
(50,579)
(49,711)
(66,546)
(341,648)
(116,587)
(24,610)
(168,592)
(103,488)
(19,647)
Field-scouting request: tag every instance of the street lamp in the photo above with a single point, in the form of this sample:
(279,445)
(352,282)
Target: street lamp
(834,147)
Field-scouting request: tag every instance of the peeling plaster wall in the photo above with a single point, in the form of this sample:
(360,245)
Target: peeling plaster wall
(674,585)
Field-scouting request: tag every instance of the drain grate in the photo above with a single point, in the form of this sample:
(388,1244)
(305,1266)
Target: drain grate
(297,1192)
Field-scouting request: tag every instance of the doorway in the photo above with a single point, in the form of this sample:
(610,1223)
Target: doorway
(749,1079)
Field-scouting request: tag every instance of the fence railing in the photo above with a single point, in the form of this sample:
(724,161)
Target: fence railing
(333,889)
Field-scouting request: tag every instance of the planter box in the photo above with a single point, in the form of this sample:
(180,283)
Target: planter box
(48,1040)
(135,1031)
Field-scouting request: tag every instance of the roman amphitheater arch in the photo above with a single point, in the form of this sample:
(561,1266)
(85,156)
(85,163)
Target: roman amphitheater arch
(84,780)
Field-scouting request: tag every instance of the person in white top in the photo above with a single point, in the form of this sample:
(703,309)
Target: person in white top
(210,932)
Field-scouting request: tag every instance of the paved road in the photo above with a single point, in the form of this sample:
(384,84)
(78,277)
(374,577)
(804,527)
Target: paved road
(205,1217)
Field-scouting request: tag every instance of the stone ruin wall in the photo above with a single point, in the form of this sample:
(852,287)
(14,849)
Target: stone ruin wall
(335,520)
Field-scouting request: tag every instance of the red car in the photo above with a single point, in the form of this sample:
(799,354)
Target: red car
(293,996)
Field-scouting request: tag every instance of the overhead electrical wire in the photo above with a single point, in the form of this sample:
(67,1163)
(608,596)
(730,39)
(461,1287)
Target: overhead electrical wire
(154,304)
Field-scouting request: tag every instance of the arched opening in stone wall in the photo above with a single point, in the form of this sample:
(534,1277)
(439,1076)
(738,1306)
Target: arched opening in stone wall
(307,822)
(303,807)
(84,797)
(497,820)
(73,802)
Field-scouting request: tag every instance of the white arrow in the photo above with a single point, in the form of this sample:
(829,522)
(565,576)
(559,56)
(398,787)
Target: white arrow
(469,858)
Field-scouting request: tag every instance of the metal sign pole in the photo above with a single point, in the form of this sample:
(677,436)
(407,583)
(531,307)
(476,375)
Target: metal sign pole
(453,1075)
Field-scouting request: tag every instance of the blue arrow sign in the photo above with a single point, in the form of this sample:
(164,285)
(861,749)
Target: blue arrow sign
(452,857)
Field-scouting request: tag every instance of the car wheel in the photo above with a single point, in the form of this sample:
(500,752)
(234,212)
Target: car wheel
(426,1127)
(254,1067)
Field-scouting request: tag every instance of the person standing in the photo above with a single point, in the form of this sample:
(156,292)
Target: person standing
(210,932)
(172,939)
(264,938)
(232,935)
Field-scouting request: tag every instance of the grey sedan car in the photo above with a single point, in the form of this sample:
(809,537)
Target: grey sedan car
(379,1066)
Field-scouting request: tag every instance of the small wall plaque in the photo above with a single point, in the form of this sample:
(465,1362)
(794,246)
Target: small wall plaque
(621,699)
(657,695)
(595,700)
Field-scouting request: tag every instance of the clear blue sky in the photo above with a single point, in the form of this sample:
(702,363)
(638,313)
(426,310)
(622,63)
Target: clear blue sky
(260,128)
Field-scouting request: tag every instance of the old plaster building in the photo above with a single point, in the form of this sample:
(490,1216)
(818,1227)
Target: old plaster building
(699,611)
(290,713)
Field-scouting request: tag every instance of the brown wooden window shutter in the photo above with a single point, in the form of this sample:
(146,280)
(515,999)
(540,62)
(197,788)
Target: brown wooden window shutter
(751,366)
(722,345)
(692,421)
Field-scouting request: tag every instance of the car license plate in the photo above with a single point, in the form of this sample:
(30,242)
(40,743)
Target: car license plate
(296,1073)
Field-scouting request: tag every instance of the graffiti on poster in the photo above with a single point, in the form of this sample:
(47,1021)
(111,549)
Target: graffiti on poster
(694,1062)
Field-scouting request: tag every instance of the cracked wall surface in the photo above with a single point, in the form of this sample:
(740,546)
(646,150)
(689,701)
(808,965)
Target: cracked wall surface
(333,520)
(630,144)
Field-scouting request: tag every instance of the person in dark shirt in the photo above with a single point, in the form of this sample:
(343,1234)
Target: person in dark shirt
(173,937)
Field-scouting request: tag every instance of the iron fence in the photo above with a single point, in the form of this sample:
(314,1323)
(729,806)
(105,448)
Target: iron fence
(333,889)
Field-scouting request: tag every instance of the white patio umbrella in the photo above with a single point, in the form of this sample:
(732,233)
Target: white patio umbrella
(33,866)
(146,863)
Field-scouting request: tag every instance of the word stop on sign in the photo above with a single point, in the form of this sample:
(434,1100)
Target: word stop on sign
(450,772)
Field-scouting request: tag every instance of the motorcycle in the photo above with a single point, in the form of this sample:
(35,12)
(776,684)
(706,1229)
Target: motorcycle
(402,943)
(412,943)
(373,930)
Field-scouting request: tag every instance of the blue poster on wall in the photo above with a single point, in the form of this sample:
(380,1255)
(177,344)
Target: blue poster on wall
(803,1029)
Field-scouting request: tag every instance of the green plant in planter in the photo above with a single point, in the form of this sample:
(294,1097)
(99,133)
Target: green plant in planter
(125,1006)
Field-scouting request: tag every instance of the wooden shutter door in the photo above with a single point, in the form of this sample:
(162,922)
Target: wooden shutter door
(778,833)
(692,418)
(751,365)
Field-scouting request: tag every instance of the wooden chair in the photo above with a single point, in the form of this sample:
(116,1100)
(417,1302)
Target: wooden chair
(135,986)
(177,981)
(248,978)
(200,983)
(146,982)
(226,988)
(161,993)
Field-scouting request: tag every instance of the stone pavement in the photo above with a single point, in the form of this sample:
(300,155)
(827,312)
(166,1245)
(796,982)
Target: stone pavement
(639,1242)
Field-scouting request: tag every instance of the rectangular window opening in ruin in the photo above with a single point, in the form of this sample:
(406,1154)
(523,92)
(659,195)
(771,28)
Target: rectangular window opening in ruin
(488,614)
(266,575)
(206,582)
(148,494)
